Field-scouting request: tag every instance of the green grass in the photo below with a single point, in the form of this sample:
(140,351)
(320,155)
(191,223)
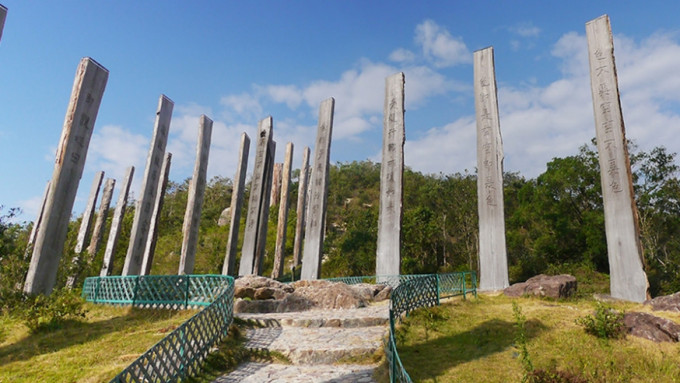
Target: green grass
(473,341)
(92,350)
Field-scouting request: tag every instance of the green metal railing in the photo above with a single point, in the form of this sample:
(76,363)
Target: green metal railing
(421,291)
(180,353)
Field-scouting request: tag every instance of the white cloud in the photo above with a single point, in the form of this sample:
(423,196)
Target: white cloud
(525,30)
(244,104)
(288,94)
(402,55)
(113,149)
(440,47)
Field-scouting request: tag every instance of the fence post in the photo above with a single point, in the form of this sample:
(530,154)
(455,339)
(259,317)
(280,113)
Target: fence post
(464,281)
(437,280)
(186,293)
(474,282)
(135,290)
(96,291)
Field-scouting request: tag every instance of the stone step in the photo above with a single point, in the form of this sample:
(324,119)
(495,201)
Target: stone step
(282,373)
(364,317)
(324,345)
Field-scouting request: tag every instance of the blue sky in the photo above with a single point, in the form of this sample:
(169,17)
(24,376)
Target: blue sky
(240,61)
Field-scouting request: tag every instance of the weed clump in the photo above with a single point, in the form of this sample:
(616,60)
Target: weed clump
(554,376)
(607,323)
(45,313)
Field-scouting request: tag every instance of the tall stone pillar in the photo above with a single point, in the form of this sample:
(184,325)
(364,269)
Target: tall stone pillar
(229,267)
(192,217)
(86,222)
(493,260)
(301,204)
(150,247)
(3,15)
(147,196)
(36,223)
(626,264)
(116,224)
(260,249)
(388,256)
(98,231)
(276,183)
(258,186)
(81,114)
(280,252)
(316,222)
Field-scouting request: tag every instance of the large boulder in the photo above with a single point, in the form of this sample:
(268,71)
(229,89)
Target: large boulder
(665,303)
(651,327)
(224,217)
(329,295)
(555,286)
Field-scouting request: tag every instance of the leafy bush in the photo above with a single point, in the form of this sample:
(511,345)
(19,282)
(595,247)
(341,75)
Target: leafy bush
(607,323)
(44,313)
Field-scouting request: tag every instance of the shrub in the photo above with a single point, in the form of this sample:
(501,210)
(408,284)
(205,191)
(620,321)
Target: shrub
(44,313)
(607,323)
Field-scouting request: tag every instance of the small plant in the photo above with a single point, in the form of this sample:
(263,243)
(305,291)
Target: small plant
(554,376)
(44,313)
(607,323)
(521,341)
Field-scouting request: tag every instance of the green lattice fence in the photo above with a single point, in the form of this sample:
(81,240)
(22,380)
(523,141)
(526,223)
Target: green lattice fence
(180,353)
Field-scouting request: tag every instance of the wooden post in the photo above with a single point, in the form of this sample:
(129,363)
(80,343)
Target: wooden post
(301,205)
(276,183)
(280,253)
(144,207)
(260,250)
(192,217)
(98,231)
(316,222)
(257,190)
(229,267)
(388,255)
(493,260)
(81,114)
(86,222)
(36,223)
(3,15)
(150,247)
(116,224)
(626,263)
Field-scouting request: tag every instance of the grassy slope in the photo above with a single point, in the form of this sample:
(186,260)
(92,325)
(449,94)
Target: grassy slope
(473,341)
(93,350)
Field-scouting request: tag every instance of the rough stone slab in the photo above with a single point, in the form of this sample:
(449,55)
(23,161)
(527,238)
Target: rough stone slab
(147,195)
(553,286)
(301,207)
(651,327)
(150,247)
(116,223)
(374,315)
(388,253)
(86,222)
(3,16)
(316,222)
(102,214)
(626,265)
(253,372)
(81,114)
(493,259)
(257,189)
(665,303)
(229,267)
(192,217)
(282,226)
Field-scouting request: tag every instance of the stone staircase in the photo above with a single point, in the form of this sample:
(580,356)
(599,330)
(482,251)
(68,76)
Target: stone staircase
(321,345)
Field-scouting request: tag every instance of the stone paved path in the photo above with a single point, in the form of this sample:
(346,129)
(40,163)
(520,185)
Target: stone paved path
(316,342)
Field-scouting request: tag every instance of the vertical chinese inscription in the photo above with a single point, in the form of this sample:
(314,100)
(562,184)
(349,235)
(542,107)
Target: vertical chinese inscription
(493,263)
(388,256)
(229,267)
(627,277)
(88,89)
(192,215)
(301,207)
(116,224)
(143,208)
(150,247)
(313,248)
(257,186)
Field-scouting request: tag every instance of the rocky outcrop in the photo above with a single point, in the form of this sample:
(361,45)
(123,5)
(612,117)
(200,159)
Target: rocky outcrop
(651,327)
(329,295)
(665,303)
(556,286)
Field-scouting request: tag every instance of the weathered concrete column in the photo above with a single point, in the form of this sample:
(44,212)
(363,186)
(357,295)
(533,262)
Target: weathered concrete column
(282,226)
(264,222)
(276,183)
(3,15)
(229,266)
(81,114)
(116,224)
(86,222)
(388,255)
(626,264)
(493,260)
(98,231)
(316,222)
(257,190)
(36,223)
(150,247)
(301,207)
(147,196)
(192,217)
